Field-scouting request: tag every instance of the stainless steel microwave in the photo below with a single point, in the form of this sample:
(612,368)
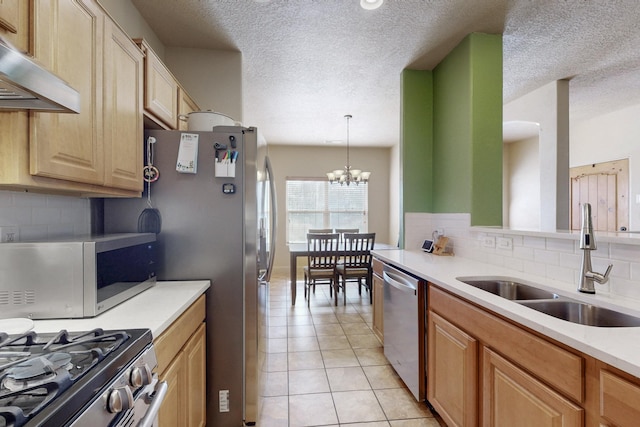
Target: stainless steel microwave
(74,278)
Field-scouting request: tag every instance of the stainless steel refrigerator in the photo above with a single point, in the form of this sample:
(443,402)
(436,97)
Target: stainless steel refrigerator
(216,224)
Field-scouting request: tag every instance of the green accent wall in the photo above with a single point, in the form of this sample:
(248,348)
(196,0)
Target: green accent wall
(451,134)
(416,142)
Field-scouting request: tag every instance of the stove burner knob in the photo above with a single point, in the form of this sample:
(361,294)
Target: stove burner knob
(120,399)
(140,376)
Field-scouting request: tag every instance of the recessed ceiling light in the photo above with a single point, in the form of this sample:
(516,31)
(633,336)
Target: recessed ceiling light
(333,141)
(371,4)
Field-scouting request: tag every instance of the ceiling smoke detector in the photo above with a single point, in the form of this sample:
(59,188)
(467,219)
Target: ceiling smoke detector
(371,4)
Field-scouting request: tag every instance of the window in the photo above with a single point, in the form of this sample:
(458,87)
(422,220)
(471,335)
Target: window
(315,203)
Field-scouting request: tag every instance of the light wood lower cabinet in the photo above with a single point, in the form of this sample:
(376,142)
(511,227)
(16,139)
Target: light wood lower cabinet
(173,411)
(378,301)
(453,373)
(619,399)
(512,397)
(518,378)
(181,352)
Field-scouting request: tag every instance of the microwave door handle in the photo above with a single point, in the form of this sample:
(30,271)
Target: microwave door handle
(154,407)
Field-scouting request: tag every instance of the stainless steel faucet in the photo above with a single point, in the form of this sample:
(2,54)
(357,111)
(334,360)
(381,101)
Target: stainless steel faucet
(588,244)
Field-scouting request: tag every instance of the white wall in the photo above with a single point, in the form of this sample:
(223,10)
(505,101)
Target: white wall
(521,187)
(612,136)
(549,106)
(296,162)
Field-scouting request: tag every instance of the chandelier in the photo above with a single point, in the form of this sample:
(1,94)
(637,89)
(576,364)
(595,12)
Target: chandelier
(348,175)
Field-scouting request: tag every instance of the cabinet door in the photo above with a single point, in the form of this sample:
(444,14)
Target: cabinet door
(160,89)
(173,411)
(511,397)
(619,400)
(452,372)
(68,40)
(186,105)
(378,308)
(123,130)
(9,16)
(196,376)
(14,23)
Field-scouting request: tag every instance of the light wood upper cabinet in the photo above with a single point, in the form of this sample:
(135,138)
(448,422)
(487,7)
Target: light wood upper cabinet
(14,23)
(68,40)
(160,89)
(186,105)
(97,152)
(9,16)
(123,130)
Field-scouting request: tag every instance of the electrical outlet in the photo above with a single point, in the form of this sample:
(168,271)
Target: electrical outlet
(9,234)
(223,397)
(504,243)
(489,242)
(440,231)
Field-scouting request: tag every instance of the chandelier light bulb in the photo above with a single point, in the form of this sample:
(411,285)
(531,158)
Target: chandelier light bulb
(348,175)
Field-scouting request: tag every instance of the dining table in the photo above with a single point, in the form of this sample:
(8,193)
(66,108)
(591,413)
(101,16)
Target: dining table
(297,250)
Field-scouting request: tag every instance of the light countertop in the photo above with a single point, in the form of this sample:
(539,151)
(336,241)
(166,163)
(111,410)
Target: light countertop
(619,347)
(155,309)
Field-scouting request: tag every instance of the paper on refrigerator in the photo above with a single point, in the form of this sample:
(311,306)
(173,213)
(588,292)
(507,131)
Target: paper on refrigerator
(188,153)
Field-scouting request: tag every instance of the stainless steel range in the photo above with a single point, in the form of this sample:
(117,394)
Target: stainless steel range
(95,378)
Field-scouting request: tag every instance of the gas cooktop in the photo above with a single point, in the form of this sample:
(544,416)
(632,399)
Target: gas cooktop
(49,379)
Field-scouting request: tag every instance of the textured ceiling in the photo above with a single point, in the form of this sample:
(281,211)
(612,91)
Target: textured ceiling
(307,63)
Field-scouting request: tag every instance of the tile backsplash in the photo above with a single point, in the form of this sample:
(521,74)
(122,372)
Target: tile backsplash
(40,216)
(544,255)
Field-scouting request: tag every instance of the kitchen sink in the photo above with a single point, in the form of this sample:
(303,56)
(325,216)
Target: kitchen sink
(583,313)
(509,289)
(551,303)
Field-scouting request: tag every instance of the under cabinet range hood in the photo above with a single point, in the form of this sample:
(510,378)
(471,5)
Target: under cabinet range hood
(25,85)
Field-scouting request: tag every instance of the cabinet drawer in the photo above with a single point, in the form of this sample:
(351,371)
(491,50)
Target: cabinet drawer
(619,400)
(175,337)
(552,364)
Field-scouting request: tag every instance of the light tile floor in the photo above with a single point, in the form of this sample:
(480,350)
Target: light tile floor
(323,365)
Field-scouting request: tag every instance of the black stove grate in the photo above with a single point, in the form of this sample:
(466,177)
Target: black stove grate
(47,379)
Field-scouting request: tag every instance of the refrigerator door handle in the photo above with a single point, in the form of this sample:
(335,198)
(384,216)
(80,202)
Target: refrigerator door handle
(274,218)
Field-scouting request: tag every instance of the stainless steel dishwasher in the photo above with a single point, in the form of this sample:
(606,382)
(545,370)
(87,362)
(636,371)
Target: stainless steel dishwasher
(404,329)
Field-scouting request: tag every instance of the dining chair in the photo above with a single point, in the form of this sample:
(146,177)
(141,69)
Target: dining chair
(322,256)
(320,231)
(341,232)
(356,263)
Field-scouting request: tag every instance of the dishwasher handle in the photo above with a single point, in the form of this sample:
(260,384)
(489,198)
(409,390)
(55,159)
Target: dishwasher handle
(399,282)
